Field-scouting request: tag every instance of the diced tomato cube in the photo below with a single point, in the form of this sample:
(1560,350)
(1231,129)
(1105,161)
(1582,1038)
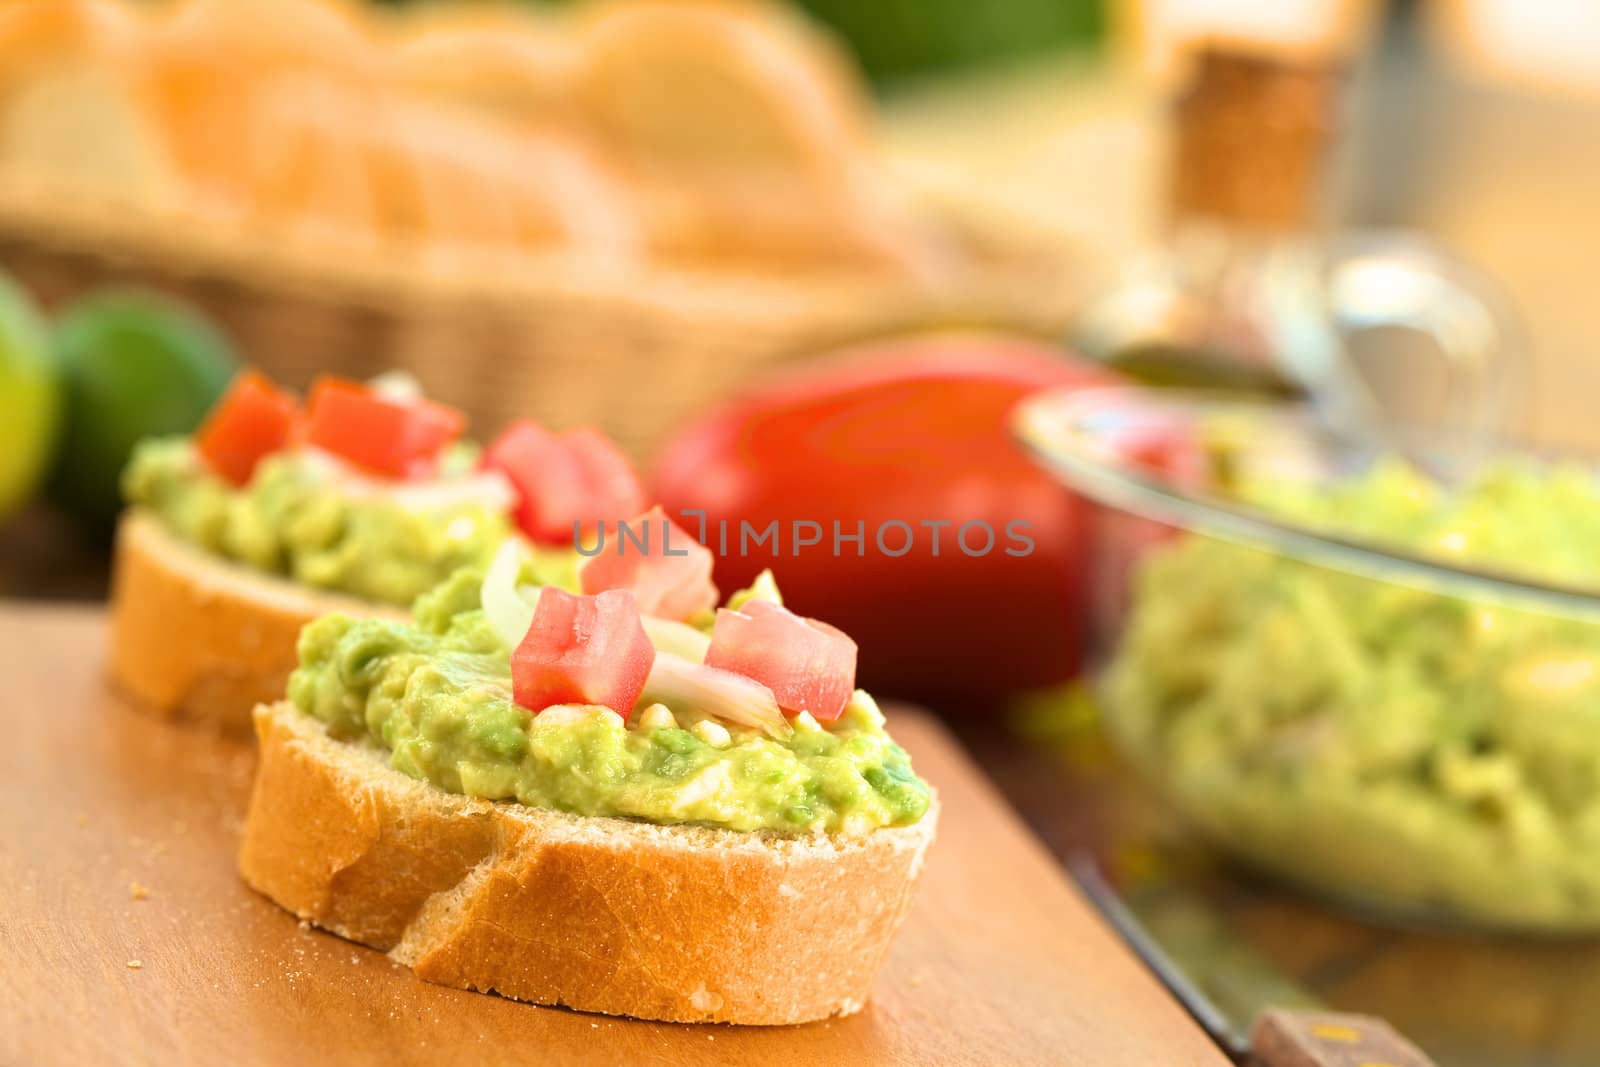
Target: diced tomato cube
(582,650)
(661,562)
(577,479)
(253,419)
(1171,451)
(386,434)
(808,665)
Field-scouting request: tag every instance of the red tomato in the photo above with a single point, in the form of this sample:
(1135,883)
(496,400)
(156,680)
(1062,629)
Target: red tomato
(253,419)
(582,650)
(578,479)
(385,434)
(913,432)
(661,562)
(808,665)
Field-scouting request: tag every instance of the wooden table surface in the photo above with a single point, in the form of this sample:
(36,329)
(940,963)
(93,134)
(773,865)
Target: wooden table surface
(1000,961)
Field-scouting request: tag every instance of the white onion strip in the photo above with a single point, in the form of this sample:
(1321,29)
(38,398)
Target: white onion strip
(678,638)
(508,607)
(487,488)
(694,687)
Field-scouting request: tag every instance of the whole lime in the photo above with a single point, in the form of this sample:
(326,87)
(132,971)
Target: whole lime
(30,397)
(134,364)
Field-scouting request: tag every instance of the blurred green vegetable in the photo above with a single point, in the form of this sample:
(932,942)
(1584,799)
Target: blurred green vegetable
(908,38)
(894,39)
(30,397)
(134,364)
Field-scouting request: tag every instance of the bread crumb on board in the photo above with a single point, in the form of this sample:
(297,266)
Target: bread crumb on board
(703,999)
(134,965)
(138,892)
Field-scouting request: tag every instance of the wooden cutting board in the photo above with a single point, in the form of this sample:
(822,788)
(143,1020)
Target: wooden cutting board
(1000,962)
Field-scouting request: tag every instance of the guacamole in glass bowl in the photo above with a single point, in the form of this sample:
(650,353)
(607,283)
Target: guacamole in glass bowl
(1375,676)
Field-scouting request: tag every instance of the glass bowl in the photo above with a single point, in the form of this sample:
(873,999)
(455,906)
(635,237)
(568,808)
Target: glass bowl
(1333,671)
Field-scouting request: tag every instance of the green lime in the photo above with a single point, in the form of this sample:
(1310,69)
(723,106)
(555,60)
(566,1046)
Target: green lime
(30,397)
(134,364)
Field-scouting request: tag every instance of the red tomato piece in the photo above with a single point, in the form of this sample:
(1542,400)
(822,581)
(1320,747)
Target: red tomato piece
(567,485)
(582,650)
(808,665)
(388,435)
(661,562)
(253,419)
(1169,450)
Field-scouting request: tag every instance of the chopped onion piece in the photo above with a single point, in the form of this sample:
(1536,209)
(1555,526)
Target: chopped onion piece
(486,488)
(678,638)
(491,489)
(508,606)
(324,465)
(694,687)
(396,385)
(765,587)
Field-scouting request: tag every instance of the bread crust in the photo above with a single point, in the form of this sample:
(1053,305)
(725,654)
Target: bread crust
(676,923)
(200,638)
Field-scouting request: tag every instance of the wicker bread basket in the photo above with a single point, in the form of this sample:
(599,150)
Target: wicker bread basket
(632,352)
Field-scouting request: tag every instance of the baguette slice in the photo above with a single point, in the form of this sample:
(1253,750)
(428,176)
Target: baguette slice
(201,638)
(678,923)
(75,94)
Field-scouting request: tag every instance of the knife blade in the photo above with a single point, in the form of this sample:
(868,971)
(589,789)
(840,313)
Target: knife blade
(1254,1012)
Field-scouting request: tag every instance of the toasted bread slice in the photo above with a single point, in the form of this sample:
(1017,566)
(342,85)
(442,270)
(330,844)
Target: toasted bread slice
(197,637)
(460,181)
(747,131)
(512,61)
(678,923)
(217,66)
(719,85)
(75,90)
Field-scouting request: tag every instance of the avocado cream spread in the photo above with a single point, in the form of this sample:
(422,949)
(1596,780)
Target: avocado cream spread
(305,516)
(1416,750)
(437,695)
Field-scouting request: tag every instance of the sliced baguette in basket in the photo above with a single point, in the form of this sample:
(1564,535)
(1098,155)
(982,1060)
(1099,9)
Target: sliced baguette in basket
(677,923)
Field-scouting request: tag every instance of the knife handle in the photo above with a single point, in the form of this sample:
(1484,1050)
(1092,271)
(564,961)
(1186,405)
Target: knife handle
(1284,1038)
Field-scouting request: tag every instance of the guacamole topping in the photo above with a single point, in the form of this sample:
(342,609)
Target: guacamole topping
(437,695)
(1411,749)
(310,517)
